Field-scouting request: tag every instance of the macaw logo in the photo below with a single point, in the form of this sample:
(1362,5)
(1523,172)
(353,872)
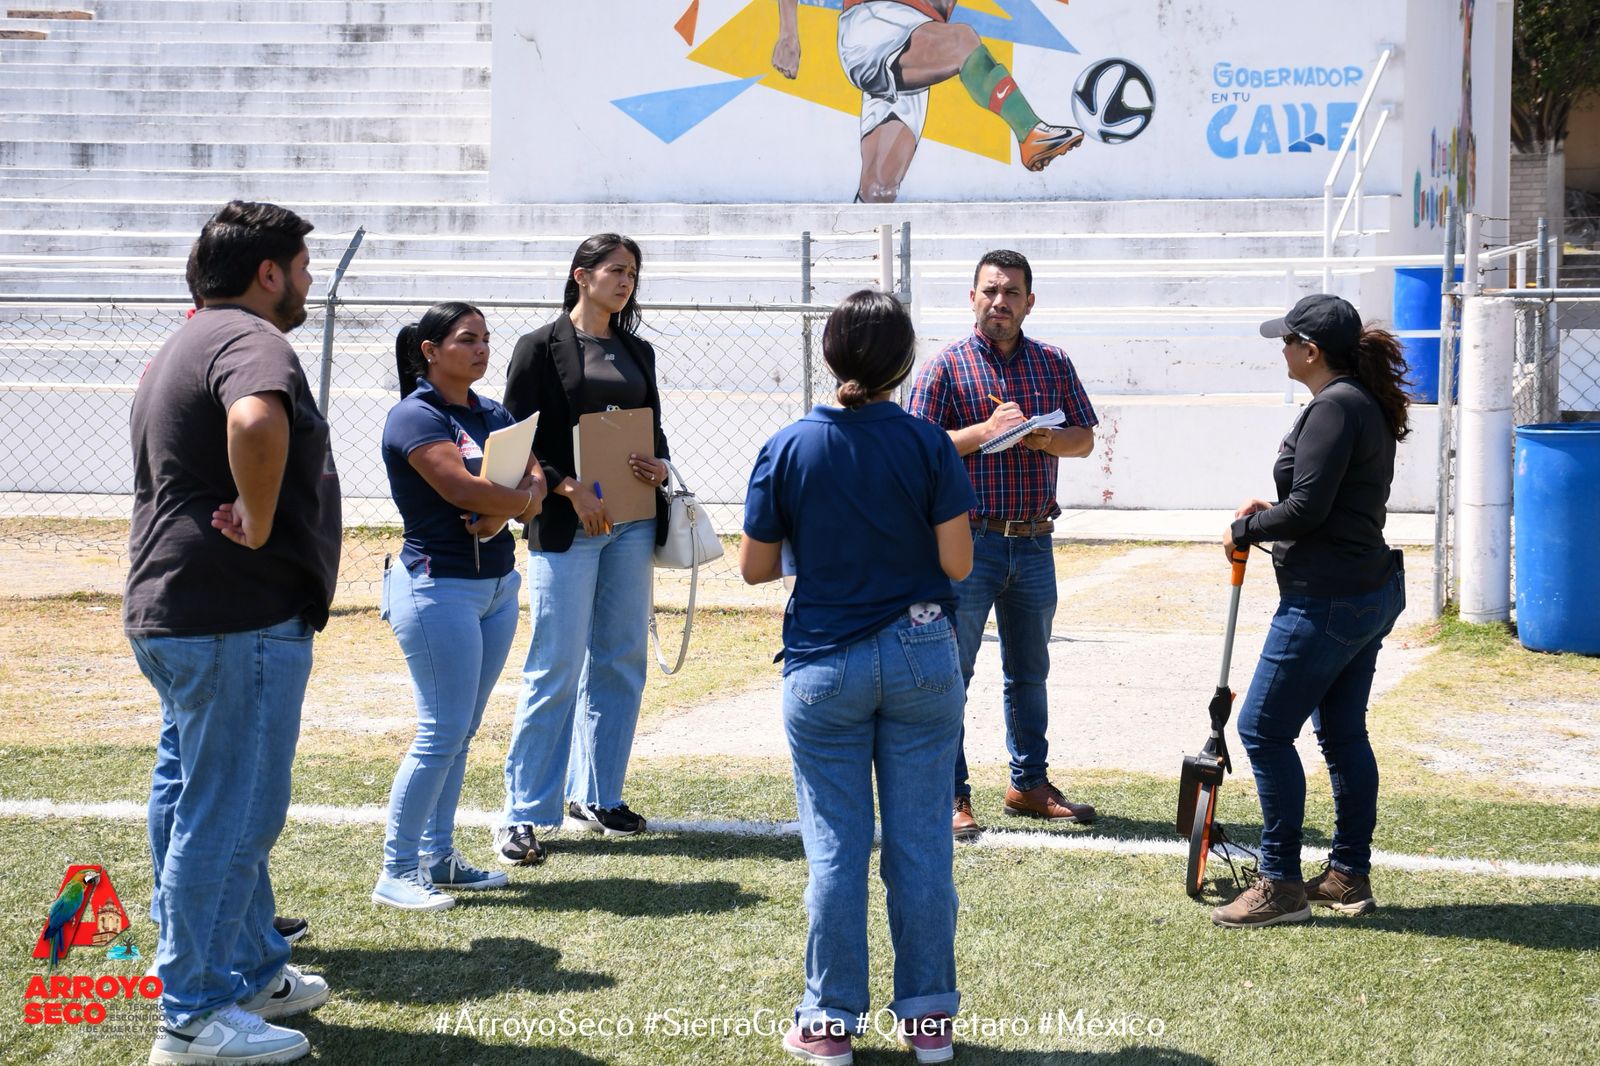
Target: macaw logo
(86,913)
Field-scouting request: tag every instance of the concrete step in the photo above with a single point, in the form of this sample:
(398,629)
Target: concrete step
(326,11)
(399,54)
(419,186)
(315,102)
(136,155)
(23,78)
(221,128)
(233,32)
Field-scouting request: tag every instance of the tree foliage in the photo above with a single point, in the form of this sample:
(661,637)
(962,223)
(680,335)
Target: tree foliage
(1554,61)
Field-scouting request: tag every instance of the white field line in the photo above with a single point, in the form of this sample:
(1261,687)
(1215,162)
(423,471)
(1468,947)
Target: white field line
(1002,839)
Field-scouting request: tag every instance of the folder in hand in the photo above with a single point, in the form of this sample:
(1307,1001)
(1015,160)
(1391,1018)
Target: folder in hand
(601,444)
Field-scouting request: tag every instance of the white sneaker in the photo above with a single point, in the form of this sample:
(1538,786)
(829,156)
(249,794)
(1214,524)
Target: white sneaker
(293,993)
(411,892)
(228,1035)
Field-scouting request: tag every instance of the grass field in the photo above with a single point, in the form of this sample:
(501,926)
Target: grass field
(671,948)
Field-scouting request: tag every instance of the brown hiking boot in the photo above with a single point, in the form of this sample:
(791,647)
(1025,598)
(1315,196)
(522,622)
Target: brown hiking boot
(1344,893)
(1044,142)
(963,826)
(1265,903)
(1045,800)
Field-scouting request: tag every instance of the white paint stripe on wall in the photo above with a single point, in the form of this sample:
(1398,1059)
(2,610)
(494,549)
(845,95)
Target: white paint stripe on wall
(998,839)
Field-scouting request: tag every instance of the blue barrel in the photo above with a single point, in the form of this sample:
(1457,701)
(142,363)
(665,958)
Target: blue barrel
(1557,522)
(1416,306)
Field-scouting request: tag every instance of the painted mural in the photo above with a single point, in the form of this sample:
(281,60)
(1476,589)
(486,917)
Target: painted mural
(1452,175)
(911,69)
(829,101)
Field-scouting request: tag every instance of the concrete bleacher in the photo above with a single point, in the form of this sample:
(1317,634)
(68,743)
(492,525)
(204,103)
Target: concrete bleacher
(121,133)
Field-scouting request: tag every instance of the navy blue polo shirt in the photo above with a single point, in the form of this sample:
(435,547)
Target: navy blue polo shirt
(856,494)
(435,534)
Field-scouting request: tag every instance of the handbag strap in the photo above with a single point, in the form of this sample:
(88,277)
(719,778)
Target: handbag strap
(694,581)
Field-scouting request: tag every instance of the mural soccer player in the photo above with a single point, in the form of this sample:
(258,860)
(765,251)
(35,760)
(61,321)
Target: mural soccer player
(894,51)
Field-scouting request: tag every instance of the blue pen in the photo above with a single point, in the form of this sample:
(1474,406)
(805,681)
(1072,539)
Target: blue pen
(602,498)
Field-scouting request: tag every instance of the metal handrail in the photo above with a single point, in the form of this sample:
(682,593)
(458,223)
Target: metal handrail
(1329,229)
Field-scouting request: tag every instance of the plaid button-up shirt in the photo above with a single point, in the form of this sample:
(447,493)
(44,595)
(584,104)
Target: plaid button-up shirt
(953,391)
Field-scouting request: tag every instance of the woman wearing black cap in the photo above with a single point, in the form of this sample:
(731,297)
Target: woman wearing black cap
(1341,588)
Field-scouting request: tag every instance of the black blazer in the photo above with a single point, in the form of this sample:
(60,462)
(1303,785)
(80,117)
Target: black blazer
(546,375)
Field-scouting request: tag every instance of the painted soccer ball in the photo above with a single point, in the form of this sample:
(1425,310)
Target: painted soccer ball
(1113,101)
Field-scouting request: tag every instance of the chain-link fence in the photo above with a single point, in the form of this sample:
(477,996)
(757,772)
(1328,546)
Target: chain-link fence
(730,375)
(1556,376)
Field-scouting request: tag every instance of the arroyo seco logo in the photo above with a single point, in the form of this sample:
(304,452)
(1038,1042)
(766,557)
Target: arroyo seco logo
(86,913)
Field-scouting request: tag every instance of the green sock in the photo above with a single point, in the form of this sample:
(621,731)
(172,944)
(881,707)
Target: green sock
(982,75)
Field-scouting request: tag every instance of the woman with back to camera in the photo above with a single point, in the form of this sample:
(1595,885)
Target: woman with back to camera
(589,580)
(1341,588)
(451,597)
(873,504)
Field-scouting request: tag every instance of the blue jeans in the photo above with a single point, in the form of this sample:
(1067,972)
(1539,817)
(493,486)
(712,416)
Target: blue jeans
(891,703)
(1016,576)
(584,675)
(230,709)
(455,633)
(1318,663)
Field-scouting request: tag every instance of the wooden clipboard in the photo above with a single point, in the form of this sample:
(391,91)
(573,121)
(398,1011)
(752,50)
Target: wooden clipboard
(601,444)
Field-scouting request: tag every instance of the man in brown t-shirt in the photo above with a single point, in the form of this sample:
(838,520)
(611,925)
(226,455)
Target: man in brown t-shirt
(233,553)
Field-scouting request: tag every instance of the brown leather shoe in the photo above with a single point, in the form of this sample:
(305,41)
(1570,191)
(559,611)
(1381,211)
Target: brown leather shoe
(1344,893)
(1265,903)
(1045,800)
(963,826)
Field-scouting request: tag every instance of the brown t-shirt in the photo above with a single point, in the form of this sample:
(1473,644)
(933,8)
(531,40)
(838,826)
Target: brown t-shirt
(185,578)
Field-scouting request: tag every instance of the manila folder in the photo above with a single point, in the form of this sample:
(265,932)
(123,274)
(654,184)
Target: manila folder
(506,451)
(601,444)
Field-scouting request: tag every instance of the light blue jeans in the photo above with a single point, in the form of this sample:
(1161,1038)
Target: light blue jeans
(891,703)
(230,709)
(1016,578)
(584,675)
(455,633)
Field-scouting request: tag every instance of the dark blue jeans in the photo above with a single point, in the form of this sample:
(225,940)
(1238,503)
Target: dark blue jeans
(1318,664)
(1015,577)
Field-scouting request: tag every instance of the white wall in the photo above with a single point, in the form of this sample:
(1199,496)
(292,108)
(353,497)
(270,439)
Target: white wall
(557,134)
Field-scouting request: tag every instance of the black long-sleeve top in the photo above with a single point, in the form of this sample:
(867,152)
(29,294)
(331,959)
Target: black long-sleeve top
(1333,475)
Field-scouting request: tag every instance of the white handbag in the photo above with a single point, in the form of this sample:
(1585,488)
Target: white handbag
(690,542)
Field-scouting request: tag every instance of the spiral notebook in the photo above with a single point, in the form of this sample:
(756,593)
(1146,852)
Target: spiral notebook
(1022,429)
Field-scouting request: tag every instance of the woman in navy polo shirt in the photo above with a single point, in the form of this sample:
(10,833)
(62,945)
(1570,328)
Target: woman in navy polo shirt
(452,597)
(873,504)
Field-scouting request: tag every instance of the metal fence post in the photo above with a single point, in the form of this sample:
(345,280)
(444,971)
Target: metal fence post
(903,291)
(805,322)
(325,384)
(1447,386)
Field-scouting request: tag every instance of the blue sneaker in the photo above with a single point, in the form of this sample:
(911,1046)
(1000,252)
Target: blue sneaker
(227,1035)
(292,993)
(411,891)
(453,870)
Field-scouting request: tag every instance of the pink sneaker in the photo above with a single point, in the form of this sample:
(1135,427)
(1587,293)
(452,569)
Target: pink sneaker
(828,1045)
(928,1038)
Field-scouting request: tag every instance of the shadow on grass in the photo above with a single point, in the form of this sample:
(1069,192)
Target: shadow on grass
(708,846)
(486,967)
(627,897)
(1545,926)
(344,1044)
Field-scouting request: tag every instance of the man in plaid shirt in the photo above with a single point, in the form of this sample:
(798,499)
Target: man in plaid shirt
(977,389)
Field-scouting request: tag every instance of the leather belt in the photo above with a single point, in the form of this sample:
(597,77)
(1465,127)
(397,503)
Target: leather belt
(1024,528)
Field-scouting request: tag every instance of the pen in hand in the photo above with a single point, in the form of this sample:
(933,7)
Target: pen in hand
(997,400)
(602,498)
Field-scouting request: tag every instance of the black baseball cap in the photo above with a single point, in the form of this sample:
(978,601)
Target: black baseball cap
(1329,322)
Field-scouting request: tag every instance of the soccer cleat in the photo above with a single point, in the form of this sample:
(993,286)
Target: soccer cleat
(1044,142)
(228,1035)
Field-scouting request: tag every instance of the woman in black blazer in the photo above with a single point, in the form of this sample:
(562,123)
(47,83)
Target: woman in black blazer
(588,579)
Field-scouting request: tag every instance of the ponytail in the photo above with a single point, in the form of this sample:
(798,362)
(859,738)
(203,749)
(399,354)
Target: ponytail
(409,361)
(1379,363)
